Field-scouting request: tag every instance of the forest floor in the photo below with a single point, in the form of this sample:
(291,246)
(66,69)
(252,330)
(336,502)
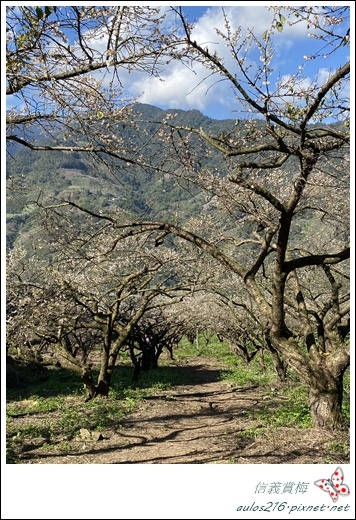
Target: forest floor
(206,421)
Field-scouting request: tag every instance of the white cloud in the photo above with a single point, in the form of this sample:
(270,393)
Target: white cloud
(180,87)
(173,90)
(183,89)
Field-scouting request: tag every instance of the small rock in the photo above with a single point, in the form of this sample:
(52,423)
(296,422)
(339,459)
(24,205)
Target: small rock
(96,436)
(84,433)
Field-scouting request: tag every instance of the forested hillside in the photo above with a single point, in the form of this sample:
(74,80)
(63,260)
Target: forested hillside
(81,178)
(76,176)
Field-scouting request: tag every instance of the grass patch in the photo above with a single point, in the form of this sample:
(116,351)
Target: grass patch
(162,378)
(207,346)
(44,382)
(345,409)
(237,371)
(249,375)
(63,420)
(293,412)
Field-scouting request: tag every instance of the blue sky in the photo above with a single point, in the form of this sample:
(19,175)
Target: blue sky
(185,90)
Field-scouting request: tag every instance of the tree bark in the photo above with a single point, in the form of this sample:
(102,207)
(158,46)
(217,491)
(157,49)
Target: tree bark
(324,380)
(279,365)
(325,400)
(88,382)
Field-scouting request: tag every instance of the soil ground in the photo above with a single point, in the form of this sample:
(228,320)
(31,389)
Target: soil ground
(203,422)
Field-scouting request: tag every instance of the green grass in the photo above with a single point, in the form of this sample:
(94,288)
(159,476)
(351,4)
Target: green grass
(53,395)
(43,382)
(207,347)
(346,397)
(292,412)
(250,375)
(237,371)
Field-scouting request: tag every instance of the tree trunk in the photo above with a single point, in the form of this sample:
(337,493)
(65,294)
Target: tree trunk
(148,359)
(324,379)
(104,381)
(88,382)
(325,404)
(103,386)
(105,375)
(279,365)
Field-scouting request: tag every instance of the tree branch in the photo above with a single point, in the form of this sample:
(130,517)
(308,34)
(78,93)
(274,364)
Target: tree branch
(316,260)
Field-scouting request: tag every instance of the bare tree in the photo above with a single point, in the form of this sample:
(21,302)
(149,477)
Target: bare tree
(286,172)
(85,302)
(64,66)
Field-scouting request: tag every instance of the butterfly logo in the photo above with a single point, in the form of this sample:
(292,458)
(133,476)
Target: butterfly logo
(334,486)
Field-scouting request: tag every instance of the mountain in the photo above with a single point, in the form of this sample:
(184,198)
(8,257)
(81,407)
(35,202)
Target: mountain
(74,176)
(138,190)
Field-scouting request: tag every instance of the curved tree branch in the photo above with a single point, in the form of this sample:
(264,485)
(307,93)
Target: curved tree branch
(304,261)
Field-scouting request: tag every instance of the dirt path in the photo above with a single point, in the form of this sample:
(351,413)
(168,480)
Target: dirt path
(191,424)
(204,422)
